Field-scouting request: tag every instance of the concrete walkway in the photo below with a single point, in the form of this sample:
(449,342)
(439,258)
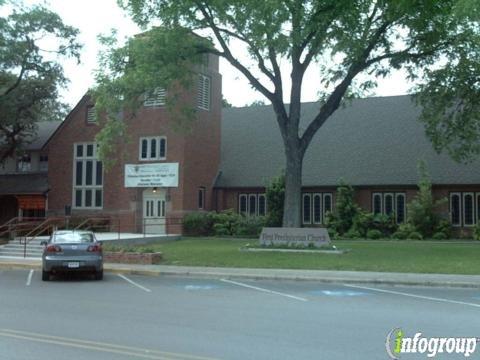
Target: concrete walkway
(358,277)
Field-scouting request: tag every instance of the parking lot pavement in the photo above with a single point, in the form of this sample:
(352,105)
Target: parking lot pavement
(132,316)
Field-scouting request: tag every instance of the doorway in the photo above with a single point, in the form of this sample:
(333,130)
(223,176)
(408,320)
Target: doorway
(154,204)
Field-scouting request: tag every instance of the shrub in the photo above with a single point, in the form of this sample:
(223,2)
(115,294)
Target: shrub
(400,235)
(385,224)
(362,222)
(197,224)
(226,222)
(353,234)
(275,194)
(421,209)
(476,231)
(374,234)
(415,235)
(444,227)
(332,233)
(404,231)
(250,226)
(346,209)
(439,236)
(221,230)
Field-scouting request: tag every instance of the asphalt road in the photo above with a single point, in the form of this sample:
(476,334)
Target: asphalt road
(140,317)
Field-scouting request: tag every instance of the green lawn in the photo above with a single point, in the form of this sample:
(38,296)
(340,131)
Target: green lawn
(375,255)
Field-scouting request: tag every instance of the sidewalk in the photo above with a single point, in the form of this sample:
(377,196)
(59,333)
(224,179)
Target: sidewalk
(357,277)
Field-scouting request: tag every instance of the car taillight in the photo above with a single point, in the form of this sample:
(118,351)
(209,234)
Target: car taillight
(54,248)
(94,248)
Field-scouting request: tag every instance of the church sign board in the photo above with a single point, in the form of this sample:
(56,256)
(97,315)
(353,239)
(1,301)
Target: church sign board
(295,237)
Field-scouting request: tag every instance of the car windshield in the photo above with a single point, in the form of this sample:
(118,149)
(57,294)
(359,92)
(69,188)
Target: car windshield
(72,238)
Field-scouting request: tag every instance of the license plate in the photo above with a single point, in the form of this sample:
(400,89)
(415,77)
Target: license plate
(73,265)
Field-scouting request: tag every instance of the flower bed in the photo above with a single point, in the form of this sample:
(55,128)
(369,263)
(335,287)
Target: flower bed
(132,257)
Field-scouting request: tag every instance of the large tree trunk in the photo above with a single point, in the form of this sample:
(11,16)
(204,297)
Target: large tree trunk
(293,188)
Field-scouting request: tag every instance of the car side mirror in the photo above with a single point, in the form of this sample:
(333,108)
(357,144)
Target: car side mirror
(44,242)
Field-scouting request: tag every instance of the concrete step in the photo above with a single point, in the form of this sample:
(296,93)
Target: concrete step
(15,249)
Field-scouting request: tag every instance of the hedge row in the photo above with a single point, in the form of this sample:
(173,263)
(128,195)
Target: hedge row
(225,223)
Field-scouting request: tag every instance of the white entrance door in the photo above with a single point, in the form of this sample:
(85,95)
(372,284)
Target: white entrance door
(154,211)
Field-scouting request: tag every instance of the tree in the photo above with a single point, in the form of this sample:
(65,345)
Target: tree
(422,209)
(30,74)
(342,39)
(226,104)
(256,103)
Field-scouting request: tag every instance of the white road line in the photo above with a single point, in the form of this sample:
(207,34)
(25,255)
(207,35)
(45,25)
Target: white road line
(29,278)
(264,290)
(134,283)
(414,296)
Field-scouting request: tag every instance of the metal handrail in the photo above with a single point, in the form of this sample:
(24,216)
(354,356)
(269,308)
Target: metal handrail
(92,220)
(13,224)
(40,228)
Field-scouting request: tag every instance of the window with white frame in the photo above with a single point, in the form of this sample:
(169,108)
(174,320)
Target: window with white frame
(464,208)
(389,203)
(253,204)
(91,119)
(87,177)
(153,148)
(468,209)
(315,207)
(204,89)
(455,209)
(201,197)
(377,203)
(156,97)
(400,208)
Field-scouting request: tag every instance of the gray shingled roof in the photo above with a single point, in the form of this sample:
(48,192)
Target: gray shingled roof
(44,130)
(23,183)
(374,141)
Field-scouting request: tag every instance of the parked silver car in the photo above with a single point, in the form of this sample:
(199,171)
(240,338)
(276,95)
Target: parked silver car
(72,251)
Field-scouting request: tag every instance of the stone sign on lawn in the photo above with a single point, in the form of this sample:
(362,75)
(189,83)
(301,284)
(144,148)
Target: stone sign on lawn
(295,237)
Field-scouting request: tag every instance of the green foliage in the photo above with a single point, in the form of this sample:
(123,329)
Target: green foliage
(404,230)
(353,234)
(371,38)
(362,222)
(444,227)
(385,224)
(374,234)
(439,236)
(167,58)
(250,226)
(415,236)
(422,209)
(225,223)
(346,209)
(30,72)
(476,231)
(197,224)
(275,194)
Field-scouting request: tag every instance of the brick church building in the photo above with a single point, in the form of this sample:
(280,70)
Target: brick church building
(228,156)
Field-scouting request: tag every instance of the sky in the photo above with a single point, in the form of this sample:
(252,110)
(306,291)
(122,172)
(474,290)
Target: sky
(94,17)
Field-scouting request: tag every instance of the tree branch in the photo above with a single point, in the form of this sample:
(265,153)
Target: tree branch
(229,56)
(334,100)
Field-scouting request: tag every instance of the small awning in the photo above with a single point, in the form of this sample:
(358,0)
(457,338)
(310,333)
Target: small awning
(31,202)
(23,184)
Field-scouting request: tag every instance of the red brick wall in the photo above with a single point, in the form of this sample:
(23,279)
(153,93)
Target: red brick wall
(228,198)
(196,148)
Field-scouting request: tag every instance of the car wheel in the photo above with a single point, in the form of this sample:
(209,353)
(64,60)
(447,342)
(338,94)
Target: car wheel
(45,275)
(99,275)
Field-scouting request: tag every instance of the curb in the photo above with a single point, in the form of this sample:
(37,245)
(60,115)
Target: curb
(226,273)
